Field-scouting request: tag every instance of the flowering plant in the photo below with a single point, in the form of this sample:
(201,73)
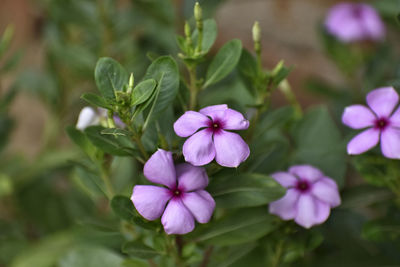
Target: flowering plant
(182,156)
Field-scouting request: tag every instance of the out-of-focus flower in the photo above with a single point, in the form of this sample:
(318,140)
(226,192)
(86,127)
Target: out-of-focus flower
(182,200)
(309,197)
(208,138)
(380,122)
(352,22)
(89,117)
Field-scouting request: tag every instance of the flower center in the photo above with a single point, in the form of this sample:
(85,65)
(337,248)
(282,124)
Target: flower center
(303,185)
(176,193)
(381,123)
(215,126)
(357,12)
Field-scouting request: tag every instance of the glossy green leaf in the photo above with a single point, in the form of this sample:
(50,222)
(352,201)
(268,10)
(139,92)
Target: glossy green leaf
(138,249)
(95,100)
(245,190)
(110,76)
(165,71)
(112,144)
(224,62)
(143,91)
(243,226)
(116,132)
(123,207)
(320,144)
(210,32)
(80,139)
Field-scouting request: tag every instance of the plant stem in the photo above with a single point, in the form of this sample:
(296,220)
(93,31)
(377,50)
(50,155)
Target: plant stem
(172,249)
(193,88)
(139,143)
(278,254)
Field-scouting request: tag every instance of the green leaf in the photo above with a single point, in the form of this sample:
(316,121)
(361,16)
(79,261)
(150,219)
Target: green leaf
(240,227)
(96,100)
(143,91)
(165,71)
(209,35)
(320,144)
(137,249)
(80,139)
(110,76)
(381,230)
(245,190)
(116,132)
(91,256)
(224,62)
(114,145)
(123,207)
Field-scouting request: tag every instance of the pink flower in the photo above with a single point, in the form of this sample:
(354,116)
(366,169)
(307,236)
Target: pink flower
(351,22)
(181,201)
(309,197)
(208,138)
(379,121)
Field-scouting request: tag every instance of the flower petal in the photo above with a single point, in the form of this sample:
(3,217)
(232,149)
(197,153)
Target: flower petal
(395,118)
(160,169)
(230,149)
(382,101)
(306,172)
(306,211)
(364,141)
(191,178)
(372,23)
(150,200)
(326,190)
(285,179)
(322,211)
(390,143)
(358,117)
(286,207)
(215,112)
(87,117)
(200,204)
(189,123)
(199,148)
(177,219)
(234,120)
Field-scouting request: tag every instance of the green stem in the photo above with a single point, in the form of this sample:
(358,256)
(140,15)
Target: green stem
(173,251)
(139,143)
(278,254)
(193,88)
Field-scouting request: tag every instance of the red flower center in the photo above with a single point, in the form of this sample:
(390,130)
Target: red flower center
(381,123)
(303,185)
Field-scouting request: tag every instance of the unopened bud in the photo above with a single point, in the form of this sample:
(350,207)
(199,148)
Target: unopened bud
(187,29)
(198,12)
(256,32)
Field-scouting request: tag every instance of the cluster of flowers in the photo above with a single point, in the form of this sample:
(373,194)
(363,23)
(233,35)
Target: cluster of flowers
(308,200)
(181,199)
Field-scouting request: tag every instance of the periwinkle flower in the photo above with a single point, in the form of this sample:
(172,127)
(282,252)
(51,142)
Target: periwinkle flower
(209,138)
(379,122)
(89,117)
(181,201)
(352,22)
(309,197)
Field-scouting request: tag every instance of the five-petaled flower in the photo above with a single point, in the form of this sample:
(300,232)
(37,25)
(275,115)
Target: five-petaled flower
(352,22)
(379,119)
(181,201)
(209,138)
(309,197)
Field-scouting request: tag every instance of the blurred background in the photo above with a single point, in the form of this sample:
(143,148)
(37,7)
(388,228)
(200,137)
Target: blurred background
(53,49)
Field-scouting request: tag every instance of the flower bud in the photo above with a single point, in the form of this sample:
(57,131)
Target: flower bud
(256,32)
(131,83)
(187,30)
(198,12)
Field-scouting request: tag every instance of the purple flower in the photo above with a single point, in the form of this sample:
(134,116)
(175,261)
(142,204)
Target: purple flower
(208,138)
(181,201)
(351,22)
(89,117)
(309,197)
(379,121)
